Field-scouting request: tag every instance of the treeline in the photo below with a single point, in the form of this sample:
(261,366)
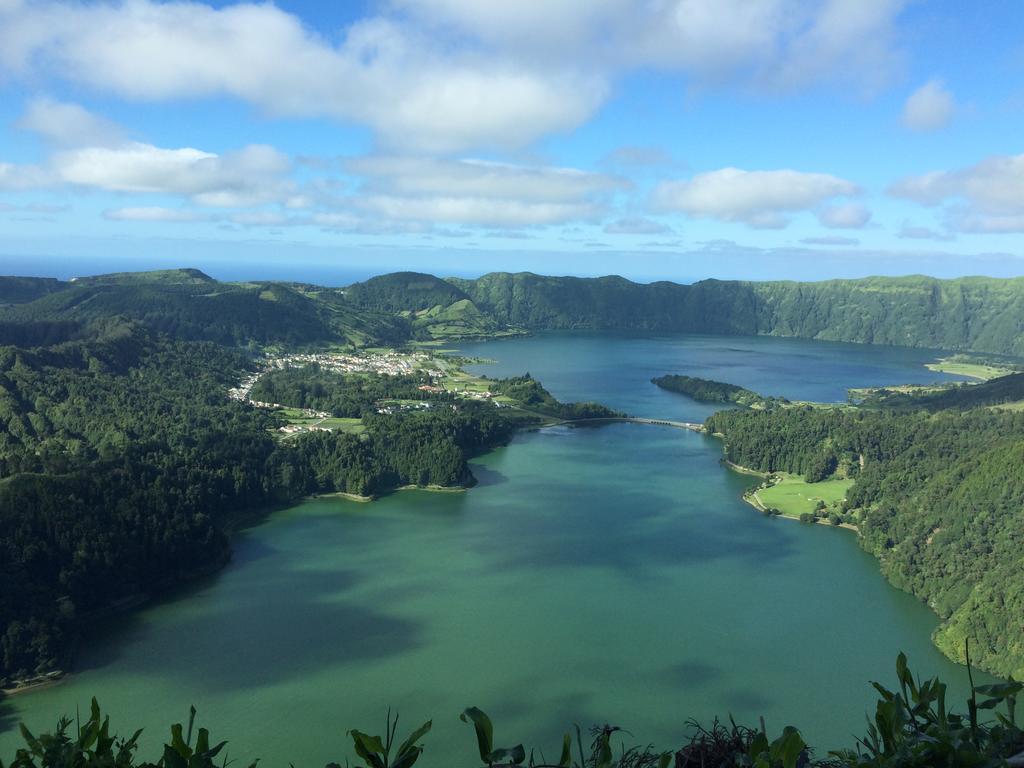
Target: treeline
(121,458)
(710,391)
(530,394)
(187,304)
(938,498)
(423,448)
(973,314)
(995,392)
(970,314)
(118,456)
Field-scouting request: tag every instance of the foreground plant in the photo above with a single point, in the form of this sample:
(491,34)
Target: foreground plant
(94,747)
(912,728)
(377,753)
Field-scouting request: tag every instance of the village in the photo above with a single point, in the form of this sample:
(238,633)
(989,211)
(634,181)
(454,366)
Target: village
(442,377)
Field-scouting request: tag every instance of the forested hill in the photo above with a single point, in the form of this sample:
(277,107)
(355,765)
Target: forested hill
(938,497)
(966,314)
(187,304)
(974,313)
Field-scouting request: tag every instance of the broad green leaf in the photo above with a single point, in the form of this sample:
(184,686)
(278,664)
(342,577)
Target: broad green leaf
(177,742)
(407,757)
(566,759)
(369,748)
(415,736)
(484,730)
(788,747)
(515,755)
(1002,690)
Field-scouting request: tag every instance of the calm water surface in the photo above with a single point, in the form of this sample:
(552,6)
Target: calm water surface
(595,574)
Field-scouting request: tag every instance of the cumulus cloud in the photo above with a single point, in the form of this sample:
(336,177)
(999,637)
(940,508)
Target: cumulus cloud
(478,178)
(478,192)
(830,241)
(984,198)
(69,124)
(779,43)
(445,75)
(845,216)
(929,108)
(250,176)
(413,92)
(761,199)
(17,177)
(636,225)
(478,211)
(917,232)
(154,213)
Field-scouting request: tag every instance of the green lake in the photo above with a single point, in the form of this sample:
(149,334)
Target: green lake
(602,574)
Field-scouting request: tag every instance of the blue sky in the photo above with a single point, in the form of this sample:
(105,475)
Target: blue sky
(676,139)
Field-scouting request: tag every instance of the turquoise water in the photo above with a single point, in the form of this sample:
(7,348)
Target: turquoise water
(595,574)
(616,369)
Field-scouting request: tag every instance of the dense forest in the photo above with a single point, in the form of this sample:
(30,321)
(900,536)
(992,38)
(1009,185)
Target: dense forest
(978,314)
(118,445)
(974,314)
(529,393)
(938,498)
(1001,391)
(122,460)
(187,304)
(348,396)
(709,391)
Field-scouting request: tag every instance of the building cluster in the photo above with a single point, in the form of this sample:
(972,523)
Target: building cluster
(383,363)
(387,363)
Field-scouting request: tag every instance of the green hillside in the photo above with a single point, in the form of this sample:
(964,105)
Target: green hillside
(937,497)
(187,304)
(974,313)
(981,314)
(403,291)
(1003,391)
(19,290)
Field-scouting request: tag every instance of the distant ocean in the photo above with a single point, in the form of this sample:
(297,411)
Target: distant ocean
(290,270)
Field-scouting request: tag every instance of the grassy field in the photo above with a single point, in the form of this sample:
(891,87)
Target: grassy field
(352,426)
(296,417)
(1017,406)
(793,496)
(982,371)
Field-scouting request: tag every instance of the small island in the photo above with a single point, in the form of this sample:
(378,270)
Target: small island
(709,391)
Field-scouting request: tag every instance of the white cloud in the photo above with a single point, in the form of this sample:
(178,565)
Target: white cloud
(445,75)
(917,232)
(21,177)
(761,199)
(477,211)
(636,225)
(929,108)
(414,92)
(845,216)
(478,178)
(154,213)
(250,176)
(984,198)
(68,124)
(476,192)
(779,43)
(830,241)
